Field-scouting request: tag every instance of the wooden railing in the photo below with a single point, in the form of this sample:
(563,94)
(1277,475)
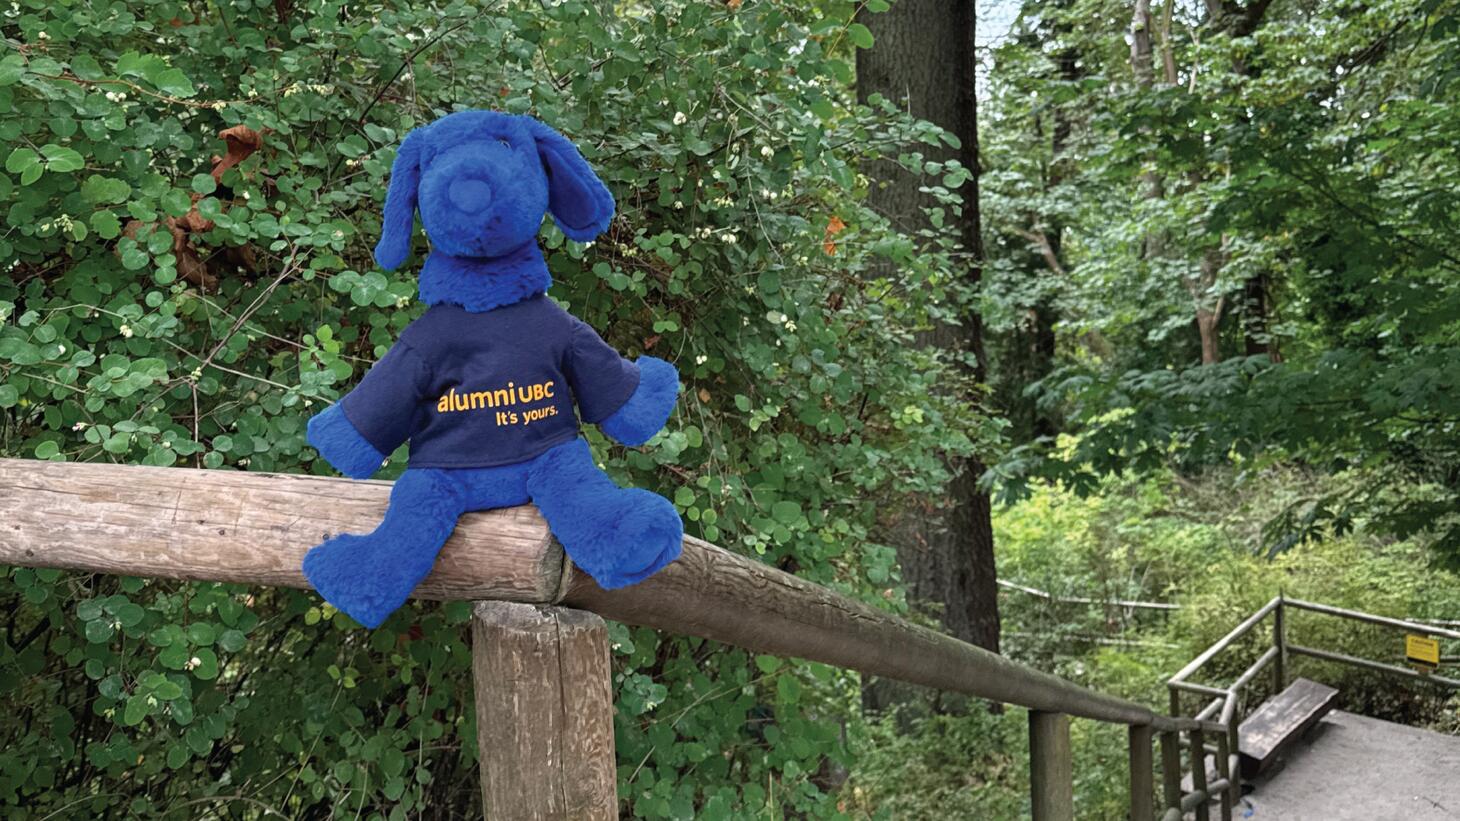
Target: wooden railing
(540,647)
(1226,703)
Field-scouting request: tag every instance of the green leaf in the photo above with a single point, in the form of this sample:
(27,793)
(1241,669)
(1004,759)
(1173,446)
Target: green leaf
(61,159)
(47,450)
(138,65)
(207,666)
(8,396)
(176,203)
(232,640)
(860,35)
(786,512)
(12,68)
(21,159)
(130,614)
(174,82)
(135,711)
(174,656)
(106,225)
(182,711)
(99,189)
(98,631)
(133,258)
(392,761)
(204,183)
(201,633)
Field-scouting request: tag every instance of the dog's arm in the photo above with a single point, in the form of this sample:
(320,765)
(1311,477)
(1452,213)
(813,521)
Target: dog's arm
(629,401)
(648,407)
(356,433)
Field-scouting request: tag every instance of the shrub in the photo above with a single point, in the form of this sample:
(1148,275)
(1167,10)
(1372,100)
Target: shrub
(164,307)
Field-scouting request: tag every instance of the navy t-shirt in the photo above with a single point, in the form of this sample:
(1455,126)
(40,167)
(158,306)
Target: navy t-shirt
(473,390)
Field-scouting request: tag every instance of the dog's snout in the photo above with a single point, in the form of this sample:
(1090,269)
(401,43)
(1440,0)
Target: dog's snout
(470,195)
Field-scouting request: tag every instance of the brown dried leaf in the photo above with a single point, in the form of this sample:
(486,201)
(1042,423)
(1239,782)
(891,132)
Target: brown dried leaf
(242,141)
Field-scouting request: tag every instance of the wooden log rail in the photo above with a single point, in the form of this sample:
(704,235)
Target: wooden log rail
(537,632)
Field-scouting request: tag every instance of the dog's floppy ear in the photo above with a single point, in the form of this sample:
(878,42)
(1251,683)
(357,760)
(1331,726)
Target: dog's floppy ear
(579,202)
(399,219)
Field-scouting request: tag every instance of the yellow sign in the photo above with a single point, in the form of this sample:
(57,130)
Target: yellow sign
(1422,651)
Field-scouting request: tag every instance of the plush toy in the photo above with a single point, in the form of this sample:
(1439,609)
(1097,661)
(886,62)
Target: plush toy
(484,384)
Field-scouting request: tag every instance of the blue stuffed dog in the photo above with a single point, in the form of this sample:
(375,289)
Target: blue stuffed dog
(484,384)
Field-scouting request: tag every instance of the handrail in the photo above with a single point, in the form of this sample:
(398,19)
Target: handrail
(1226,641)
(183,523)
(1382,621)
(1227,699)
(255,527)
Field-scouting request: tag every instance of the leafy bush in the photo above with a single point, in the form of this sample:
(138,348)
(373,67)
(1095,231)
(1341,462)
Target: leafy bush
(163,307)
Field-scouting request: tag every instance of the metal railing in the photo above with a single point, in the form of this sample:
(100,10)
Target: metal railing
(1226,703)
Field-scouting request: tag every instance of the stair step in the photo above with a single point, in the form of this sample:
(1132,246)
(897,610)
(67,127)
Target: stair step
(1281,720)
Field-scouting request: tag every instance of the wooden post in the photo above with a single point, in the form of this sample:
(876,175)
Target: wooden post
(1234,763)
(1171,769)
(544,711)
(1051,768)
(1199,773)
(1224,770)
(1280,641)
(1142,791)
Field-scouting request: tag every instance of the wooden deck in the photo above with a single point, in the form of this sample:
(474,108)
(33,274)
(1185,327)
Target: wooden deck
(1350,767)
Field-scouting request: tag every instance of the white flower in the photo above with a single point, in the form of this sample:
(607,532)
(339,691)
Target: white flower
(767,152)
(126,331)
(79,426)
(729,238)
(791,326)
(701,359)
(680,118)
(678,205)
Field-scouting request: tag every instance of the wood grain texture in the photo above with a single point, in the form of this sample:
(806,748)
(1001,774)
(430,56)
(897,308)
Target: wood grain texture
(254,528)
(1281,720)
(713,593)
(1142,771)
(544,707)
(1051,767)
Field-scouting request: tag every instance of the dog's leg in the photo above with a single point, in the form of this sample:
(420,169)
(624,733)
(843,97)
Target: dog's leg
(369,577)
(618,536)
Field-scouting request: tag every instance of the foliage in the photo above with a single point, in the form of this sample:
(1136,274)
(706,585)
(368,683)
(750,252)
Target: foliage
(1297,177)
(160,308)
(1161,537)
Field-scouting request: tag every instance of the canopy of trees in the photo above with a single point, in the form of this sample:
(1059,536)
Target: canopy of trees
(1235,221)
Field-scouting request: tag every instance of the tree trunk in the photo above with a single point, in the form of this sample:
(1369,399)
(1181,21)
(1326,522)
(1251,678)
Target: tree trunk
(923,59)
